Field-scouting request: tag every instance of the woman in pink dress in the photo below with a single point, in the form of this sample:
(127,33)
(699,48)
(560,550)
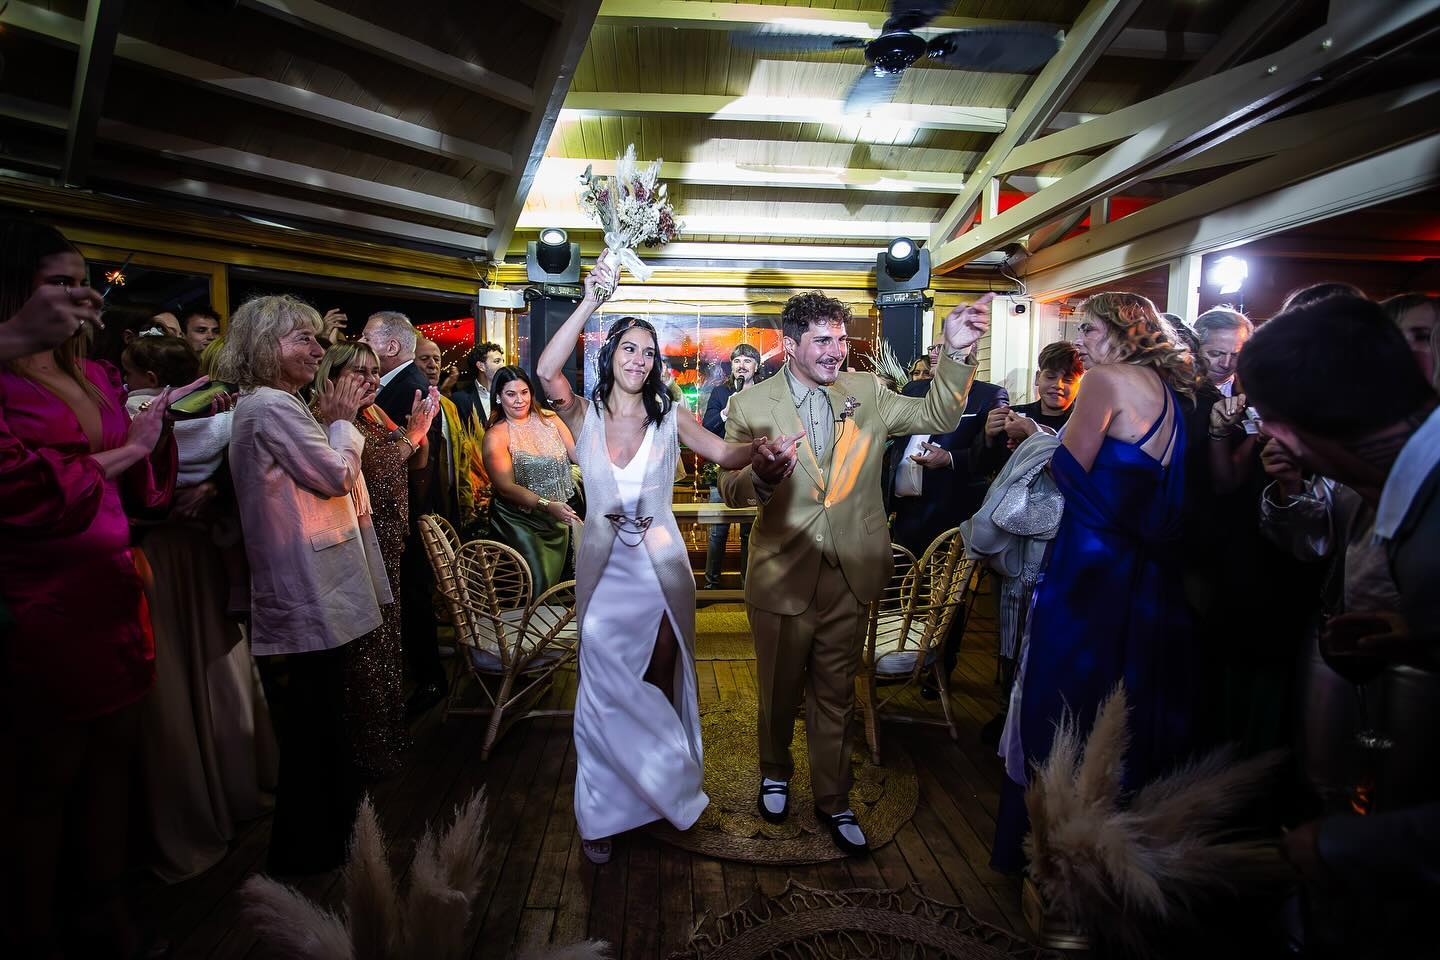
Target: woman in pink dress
(78,656)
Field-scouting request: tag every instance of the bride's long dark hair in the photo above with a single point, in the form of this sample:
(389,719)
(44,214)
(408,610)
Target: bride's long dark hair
(653,392)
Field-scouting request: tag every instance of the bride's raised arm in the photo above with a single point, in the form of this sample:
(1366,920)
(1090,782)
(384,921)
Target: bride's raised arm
(549,368)
(730,456)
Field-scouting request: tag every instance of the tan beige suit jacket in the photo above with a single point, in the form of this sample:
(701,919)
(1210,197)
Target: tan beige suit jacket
(841,506)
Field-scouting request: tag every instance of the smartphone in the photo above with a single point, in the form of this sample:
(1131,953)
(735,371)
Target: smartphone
(198,402)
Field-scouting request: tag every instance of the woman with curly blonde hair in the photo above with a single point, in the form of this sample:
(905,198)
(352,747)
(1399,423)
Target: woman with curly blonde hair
(1110,606)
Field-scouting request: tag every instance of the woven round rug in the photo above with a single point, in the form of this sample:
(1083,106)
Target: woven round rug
(843,924)
(883,798)
(722,632)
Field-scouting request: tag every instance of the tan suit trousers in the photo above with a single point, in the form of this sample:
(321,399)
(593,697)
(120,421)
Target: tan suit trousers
(817,651)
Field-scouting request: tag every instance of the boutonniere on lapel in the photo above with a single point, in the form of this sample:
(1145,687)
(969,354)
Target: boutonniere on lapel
(851,405)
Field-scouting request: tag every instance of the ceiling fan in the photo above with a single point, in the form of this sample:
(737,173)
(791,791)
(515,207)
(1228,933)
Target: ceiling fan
(989,49)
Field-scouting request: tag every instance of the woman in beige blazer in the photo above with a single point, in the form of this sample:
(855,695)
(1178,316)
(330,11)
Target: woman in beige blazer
(317,578)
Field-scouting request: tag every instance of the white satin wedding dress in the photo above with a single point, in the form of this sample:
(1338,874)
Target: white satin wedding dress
(638,755)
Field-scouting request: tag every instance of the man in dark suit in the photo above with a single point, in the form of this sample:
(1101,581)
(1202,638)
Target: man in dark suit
(392,337)
(744,372)
(482,363)
(932,488)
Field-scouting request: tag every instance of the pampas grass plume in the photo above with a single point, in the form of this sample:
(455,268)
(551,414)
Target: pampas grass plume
(1124,872)
(370,894)
(428,924)
(585,950)
(293,925)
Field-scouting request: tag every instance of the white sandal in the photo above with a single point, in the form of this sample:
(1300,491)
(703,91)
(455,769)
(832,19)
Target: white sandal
(596,851)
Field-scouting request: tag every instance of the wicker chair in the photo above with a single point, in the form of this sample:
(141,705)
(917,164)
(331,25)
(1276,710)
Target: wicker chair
(441,544)
(907,630)
(894,602)
(512,643)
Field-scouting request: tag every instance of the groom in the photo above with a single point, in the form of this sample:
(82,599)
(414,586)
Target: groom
(820,547)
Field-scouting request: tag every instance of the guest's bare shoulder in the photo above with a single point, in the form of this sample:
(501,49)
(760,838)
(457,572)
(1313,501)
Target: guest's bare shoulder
(496,436)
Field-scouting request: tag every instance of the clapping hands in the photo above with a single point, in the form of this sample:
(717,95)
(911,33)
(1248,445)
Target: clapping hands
(341,399)
(149,423)
(774,460)
(422,414)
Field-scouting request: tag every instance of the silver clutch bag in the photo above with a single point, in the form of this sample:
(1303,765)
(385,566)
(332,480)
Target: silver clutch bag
(1031,507)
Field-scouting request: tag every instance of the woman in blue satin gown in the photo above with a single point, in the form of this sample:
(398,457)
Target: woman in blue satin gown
(1110,606)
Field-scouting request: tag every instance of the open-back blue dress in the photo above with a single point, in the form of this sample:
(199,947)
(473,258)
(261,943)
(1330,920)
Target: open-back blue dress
(1110,606)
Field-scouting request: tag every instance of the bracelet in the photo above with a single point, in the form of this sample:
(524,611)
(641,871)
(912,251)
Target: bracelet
(542,503)
(1219,436)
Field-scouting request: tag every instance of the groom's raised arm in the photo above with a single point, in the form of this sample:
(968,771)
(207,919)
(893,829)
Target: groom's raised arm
(939,411)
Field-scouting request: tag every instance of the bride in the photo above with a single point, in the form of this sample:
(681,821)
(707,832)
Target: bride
(637,717)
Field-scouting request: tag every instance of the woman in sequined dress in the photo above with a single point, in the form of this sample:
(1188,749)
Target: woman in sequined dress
(528,451)
(375,665)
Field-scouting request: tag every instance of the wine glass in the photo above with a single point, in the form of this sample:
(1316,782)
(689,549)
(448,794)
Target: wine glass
(1343,653)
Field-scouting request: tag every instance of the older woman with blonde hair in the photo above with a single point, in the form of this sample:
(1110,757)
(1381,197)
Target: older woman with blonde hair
(317,578)
(1418,317)
(375,665)
(1110,606)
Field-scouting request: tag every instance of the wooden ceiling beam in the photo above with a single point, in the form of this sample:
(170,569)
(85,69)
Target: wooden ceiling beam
(92,73)
(294,174)
(564,170)
(398,48)
(256,166)
(269,93)
(165,229)
(758,109)
(273,205)
(1292,131)
(730,253)
(1276,195)
(692,15)
(1173,126)
(747,226)
(1252,24)
(1098,24)
(567,45)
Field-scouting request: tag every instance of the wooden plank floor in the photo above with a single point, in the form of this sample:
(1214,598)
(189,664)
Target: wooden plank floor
(538,887)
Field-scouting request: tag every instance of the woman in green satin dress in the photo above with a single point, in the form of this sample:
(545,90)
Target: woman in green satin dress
(528,451)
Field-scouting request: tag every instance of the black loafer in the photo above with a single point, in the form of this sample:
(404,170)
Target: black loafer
(770,790)
(837,820)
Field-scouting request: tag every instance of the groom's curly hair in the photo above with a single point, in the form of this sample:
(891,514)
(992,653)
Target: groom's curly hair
(805,309)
